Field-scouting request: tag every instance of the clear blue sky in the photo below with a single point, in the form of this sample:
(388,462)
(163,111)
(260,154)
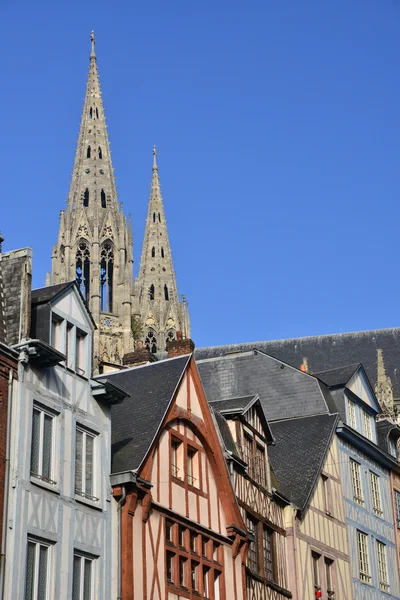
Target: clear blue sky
(277,125)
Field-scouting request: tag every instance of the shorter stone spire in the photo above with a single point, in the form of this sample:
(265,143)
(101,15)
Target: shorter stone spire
(155,167)
(92,39)
(384,388)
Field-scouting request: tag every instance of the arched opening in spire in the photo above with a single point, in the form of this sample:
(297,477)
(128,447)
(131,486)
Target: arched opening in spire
(166,295)
(100,153)
(106,277)
(88,152)
(153,252)
(103,199)
(86,198)
(154,217)
(82,269)
(159,218)
(151,341)
(91,113)
(171,335)
(151,292)
(162,252)
(97,113)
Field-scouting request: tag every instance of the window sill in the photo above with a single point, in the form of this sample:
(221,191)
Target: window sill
(52,487)
(87,502)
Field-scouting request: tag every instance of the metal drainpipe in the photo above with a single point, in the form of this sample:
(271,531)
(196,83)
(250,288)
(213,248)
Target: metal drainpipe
(121,502)
(6,485)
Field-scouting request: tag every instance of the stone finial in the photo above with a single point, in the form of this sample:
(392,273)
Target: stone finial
(384,387)
(92,39)
(155,167)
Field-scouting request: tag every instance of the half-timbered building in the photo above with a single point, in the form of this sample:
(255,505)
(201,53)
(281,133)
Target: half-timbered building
(246,436)
(179,531)
(59,518)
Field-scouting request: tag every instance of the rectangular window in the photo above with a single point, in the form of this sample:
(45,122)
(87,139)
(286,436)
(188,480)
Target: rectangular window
(191,470)
(169,531)
(37,567)
(316,574)
(204,546)
(206,582)
(80,352)
(216,552)
(193,541)
(397,506)
(194,575)
(84,464)
(252,556)
(382,567)
(182,536)
(367,425)
(175,451)
(260,475)
(326,489)
(182,571)
(170,559)
(217,588)
(56,340)
(268,550)
(363,560)
(376,494)
(329,578)
(82,578)
(248,454)
(352,414)
(356,481)
(42,445)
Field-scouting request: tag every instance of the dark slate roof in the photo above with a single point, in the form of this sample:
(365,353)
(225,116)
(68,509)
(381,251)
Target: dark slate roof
(284,392)
(299,453)
(232,404)
(330,351)
(225,433)
(339,376)
(135,422)
(48,293)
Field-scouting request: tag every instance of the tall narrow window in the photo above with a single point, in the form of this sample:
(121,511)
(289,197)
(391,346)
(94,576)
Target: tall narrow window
(170,560)
(175,450)
(326,489)
(106,277)
(166,295)
(159,218)
(88,152)
(37,558)
(248,454)
(329,578)
(151,342)
(154,217)
(103,199)
(162,252)
(191,471)
(363,560)
(367,425)
(252,557)
(86,198)
(83,269)
(90,113)
(42,445)
(382,567)
(82,578)
(84,464)
(151,292)
(260,466)
(376,494)
(153,252)
(316,574)
(80,352)
(100,153)
(97,113)
(351,407)
(268,550)
(397,506)
(355,468)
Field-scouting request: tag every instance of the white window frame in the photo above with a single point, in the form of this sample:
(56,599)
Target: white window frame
(82,493)
(351,410)
(38,544)
(81,352)
(44,412)
(376,493)
(367,426)
(83,558)
(363,557)
(397,507)
(356,480)
(382,567)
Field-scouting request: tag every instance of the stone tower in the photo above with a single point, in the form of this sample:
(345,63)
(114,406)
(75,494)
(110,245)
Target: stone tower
(158,308)
(95,242)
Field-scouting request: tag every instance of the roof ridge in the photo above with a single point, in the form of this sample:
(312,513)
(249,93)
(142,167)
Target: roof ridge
(149,364)
(337,368)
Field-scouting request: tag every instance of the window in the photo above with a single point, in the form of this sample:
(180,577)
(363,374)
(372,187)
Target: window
(382,567)
(204,546)
(194,575)
(376,494)
(191,467)
(268,550)
(329,578)
(106,277)
(80,352)
(103,199)
(392,447)
(367,425)
(248,453)
(162,252)
(326,488)
(260,474)
(397,506)
(82,578)
(175,451)
(151,342)
(193,541)
(56,325)
(181,536)
(84,464)
(42,445)
(159,218)
(90,113)
(151,292)
(86,198)
(82,267)
(154,217)
(356,481)
(217,581)
(166,295)
(37,567)
(352,413)
(169,531)
(316,574)
(153,252)
(170,566)
(206,582)
(363,561)
(100,154)
(252,556)
(88,152)
(182,571)
(97,113)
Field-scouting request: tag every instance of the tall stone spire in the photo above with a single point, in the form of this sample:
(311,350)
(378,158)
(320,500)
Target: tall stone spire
(160,310)
(384,388)
(94,243)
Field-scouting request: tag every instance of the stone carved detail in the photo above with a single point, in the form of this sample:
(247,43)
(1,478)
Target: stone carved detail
(82,231)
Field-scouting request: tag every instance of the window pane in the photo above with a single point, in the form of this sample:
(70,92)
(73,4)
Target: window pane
(42,577)
(78,460)
(76,578)
(30,570)
(268,555)
(87,582)
(35,442)
(89,466)
(47,437)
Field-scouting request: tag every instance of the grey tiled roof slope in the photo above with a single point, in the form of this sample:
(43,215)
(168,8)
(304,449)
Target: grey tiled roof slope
(330,351)
(339,376)
(225,433)
(299,452)
(135,422)
(231,404)
(45,294)
(284,391)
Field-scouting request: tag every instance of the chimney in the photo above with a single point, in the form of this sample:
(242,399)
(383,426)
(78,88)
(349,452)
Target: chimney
(180,346)
(304,366)
(140,356)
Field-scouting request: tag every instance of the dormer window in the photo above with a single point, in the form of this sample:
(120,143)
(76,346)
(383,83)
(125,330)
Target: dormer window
(367,426)
(351,409)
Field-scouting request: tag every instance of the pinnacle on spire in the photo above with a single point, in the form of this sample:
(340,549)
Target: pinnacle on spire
(92,39)
(155,167)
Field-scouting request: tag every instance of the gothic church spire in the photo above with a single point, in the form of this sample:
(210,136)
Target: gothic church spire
(160,310)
